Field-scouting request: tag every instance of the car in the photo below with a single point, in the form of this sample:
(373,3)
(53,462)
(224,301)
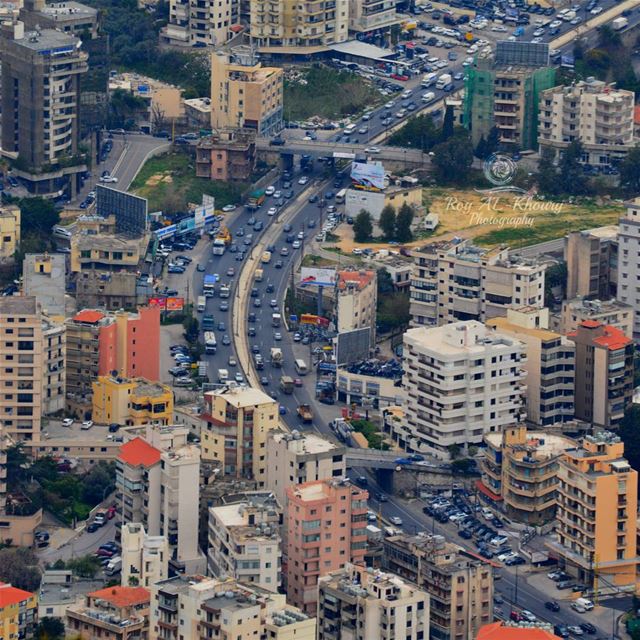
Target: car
(312,198)
(222,326)
(287,228)
(92,527)
(303,180)
(67,422)
(288,194)
(296,244)
(575,630)
(239,377)
(255,348)
(273,303)
(269,191)
(108,179)
(564,584)
(251,332)
(272,211)
(528,616)
(396,520)
(240,256)
(278,264)
(561,631)
(114,427)
(282,410)
(257,303)
(284,251)
(224,306)
(311,224)
(105,553)
(297,337)
(552,605)
(596,11)
(517,560)
(587,627)
(555,575)
(87,424)
(110,546)
(229,207)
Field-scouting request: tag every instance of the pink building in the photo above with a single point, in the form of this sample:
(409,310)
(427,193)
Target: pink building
(326,528)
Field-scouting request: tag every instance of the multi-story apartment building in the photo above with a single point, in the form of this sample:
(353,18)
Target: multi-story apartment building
(628,260)
(44,277)
(200,23)
(367,15)
(113,612)
(18,612)
(597,512)
(357,603)
(592,112)
(238,421)
(592,263)
(610,312)
(244,542)
(9,233)
(460,585)
(21,367)
(455,280)
(461,381)
(131,401)
(99,342)
(357,301)
(199,608)
(296,458)
(604,373)
(157,480)
(326,528)
(53,366)
(244,94)
(145,558)
(41,72)
(227,155)
(520,468)
(550,364)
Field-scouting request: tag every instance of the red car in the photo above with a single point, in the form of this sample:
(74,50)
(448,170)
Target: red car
(396,76)
(111,512)
(105,553)
(297,382)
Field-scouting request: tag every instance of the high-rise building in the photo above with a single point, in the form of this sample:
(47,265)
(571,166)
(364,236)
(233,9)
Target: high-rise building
(455,280)
(244,94)
(145,558)
(461,381)
(53,366)
(18,612)
(610,312)
(199,608)
(597,512)
(238,421)
(244,542)
(357,301)
(550,364)
(356,603)
(604,373)
(310,27)
(459,584)
(296,458)
(157,481)
(41,73)
(326,528)
(44,277)
(591,112)
(629,260)
(194,23)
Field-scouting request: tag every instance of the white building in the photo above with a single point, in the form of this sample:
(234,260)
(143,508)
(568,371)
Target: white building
(200,22)
(461,381)
(244,542)
(629,261)
(145,559)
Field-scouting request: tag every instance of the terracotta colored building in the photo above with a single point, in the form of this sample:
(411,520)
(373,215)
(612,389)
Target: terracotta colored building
(326,529)
(515,631)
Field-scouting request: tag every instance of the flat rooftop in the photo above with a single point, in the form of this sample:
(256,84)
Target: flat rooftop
(240,397)
(302,443)
(18,305)
(68,10)
(47,39)
(107,242)
(544,444)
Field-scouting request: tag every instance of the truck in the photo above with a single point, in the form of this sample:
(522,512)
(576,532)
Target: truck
(210,344)
(219,247)
(304,413)
(428,97)
(443,81)
(201,305)
(286,384)
(113,566)
(223,376)
(255,200)
(276,357)
(429,79)
(276,318)
(569,16)
(222,241)
(208,323)
(259,275)
(209,286)
(224,291)
(266,257)
(619,24)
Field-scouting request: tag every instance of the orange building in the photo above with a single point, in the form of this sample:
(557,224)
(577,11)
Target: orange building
(326,528)
(515,631)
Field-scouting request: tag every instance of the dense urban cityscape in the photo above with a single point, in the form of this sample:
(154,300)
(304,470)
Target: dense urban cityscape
(318,319)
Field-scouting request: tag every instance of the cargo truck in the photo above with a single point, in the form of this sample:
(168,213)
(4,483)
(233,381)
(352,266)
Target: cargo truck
(276,357)
(222,241)
(443,81)
(619,23)
(208,323)
(209,286)
(223,375)
(259,275)
(304,412)
(286,384)
(276,318)
(255,200)
(210,343)
(201,304)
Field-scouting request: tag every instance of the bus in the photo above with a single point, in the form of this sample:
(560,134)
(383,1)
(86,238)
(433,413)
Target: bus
(301,367)
(349,129)
(341,196)
(210,343)
(202,304)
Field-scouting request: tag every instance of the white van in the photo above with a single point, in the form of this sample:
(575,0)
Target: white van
(349,129)
(428,97)
(582,605)
(429,79)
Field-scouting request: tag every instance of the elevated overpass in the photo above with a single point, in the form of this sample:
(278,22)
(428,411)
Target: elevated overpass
(375,459)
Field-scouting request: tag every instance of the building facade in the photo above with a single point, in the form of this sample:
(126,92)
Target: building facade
(18,612)
(628,260)
(461,382)
(227,155)
(44,277)
(145,558)
(609,312)
(9,233)
(357,301)
(200,24)
(53,366)
(367,15)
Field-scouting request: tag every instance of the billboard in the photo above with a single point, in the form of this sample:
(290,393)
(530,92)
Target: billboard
(130,211)
(523,54)
(318,321)
(318,277)
(160,303)
(367,176)
(353,346)
(175,304)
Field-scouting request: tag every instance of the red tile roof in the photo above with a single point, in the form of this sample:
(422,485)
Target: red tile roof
(361,278)
(590,324)
(89,315)
(10,595)
(139,452)
(123,596)
(613,339)
(501,631)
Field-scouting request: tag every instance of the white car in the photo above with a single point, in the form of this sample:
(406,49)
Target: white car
(108,179)
(239,377)
(505,556)
(536,40)
(389,105)
(269,191)
(372,150)
(87,424)
(303,180)
(277,336)
(296,244)
(67,422)
(596,11)
(229,207)
(278,194)
(363,130)
(538,32)
(555,23)
(272,211)
(528,616)
(576,20)
(396,520)
(499,28)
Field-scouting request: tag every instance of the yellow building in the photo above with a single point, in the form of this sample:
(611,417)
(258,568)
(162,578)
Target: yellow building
(18,613)
(597,514)
(9,232)
(244,94)
(238,421)
(131,401)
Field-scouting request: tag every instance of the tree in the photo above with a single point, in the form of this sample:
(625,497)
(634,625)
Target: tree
(158,119)
(37,215)
(571,173)
(547,172)
(393,311)
(387,222)
(453,159)
(385,283)
(419,132)
(630,171)
(493,141)
(98,482)
(84,567)
(19,566)
(555,276)
(403,223)
(362,226)
(629,432)
(50,629)
(481,148)
(447,124)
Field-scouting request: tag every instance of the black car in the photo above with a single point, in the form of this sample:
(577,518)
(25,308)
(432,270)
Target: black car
(465,534)
(552,605)
(92,526)
(288,194)
(561,631)
(252,317)
(312,198)
(588,627)
(278,264)
(251,332)
(270,288)
(114,427)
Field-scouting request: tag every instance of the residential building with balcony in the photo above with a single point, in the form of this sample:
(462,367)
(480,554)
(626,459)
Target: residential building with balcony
(359,603)
(227,155)
(592,112)
(604,373)
(157,481)
(113,612)
(550,364)
(597,514)
(244,542)
(461,381)
(9,233)
(455,280)
(18,612)
(326,529)
(199,608)
(357,301)
(238,421)
(200,23)
(609,312)
(53,366)
(368,15)
(628,260)
(520,471)
(296,458)
(44,277)
(459,584)
(145,558)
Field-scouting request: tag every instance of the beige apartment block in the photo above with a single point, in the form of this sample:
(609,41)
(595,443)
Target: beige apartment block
(9,232)
(357,301)
(53,366)
(356,602)
(460,585)
(366,15)
(145,558)
(198,23)
(610,312)
(461,381)
(550,364)
(629,260)
(592,112)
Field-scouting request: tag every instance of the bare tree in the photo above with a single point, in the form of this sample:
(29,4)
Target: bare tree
(158,118)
